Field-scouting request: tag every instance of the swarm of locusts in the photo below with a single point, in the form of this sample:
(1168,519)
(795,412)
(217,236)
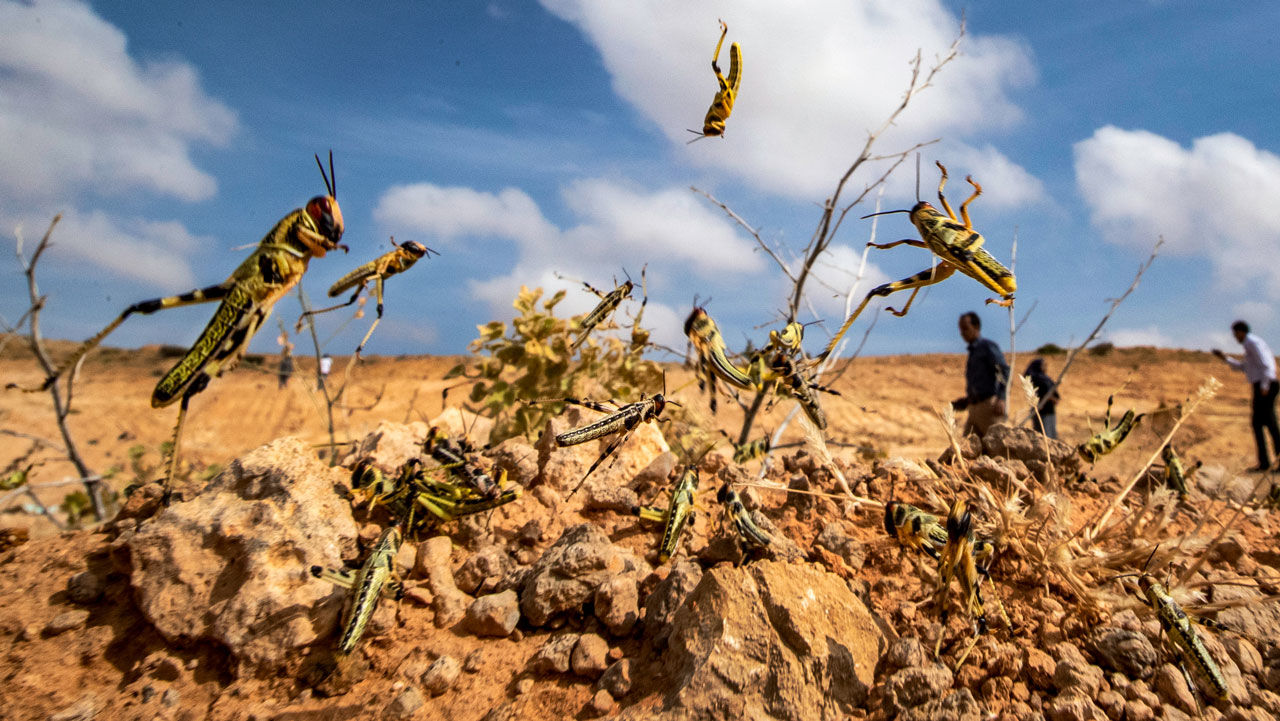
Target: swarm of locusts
(448,479)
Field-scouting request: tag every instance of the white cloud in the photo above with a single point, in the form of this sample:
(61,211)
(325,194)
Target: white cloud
(1005,184)
(1253,312)
(152,252)
(816,79)
(620,227)
(833,276)
(1148,335)
(1207,200)
(77,111)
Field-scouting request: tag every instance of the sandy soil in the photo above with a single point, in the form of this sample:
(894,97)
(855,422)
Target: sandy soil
(887,405)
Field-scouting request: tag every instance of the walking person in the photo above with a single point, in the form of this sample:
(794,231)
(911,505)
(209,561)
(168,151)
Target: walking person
(325,364)
(1259,367)
(286,365)
(1047,397)
(986,373)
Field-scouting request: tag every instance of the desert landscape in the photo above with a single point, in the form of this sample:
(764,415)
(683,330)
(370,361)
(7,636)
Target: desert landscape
(554,606)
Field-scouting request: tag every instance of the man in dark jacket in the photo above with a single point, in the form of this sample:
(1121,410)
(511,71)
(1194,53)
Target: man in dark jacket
(985,376)
(1047,420)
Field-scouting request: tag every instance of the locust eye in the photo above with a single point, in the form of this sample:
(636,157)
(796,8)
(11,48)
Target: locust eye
(324,211)
(920,206)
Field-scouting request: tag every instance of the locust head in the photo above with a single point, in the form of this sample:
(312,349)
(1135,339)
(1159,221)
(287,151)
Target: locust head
(324,211)
(892,511)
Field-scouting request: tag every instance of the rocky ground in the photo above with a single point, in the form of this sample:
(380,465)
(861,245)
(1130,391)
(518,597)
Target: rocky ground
(555,606)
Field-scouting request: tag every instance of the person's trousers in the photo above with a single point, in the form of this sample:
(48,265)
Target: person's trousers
(1264,420)
(1046,424)
(982,415)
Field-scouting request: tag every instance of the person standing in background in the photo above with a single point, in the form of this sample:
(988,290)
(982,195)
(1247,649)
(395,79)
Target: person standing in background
(1046,421)
(986,373)
(286,365)
(325,364)
(1259,367)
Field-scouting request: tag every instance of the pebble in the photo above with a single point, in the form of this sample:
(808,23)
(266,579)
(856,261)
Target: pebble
(601,704)
(554,655)
(617,678)
(617,604)
(84,709)
(473,661)
(1138,711)
(441,675)
(1040,668)
(170,697)
(1172,687)
(590,656)
(494,615)
(406,704)
(1072,706)
(85,588)
(66,621)
(524,685)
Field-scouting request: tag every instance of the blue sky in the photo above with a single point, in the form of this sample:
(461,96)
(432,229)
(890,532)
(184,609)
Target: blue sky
(523,139)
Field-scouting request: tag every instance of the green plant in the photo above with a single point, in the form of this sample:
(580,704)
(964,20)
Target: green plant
(1050,349)
(534,362)
(1102,349)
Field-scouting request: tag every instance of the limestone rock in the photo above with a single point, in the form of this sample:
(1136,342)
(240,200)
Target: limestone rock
(617,678)
(482,570)
(85,588)
(231,564)
(463,424)
(571,570)
(517,458)
(955,706)
(565,467)
(661,605)
(555,655)
(66,621)
(449,603)
(390,445)
(1027,445)
(1126,651)
(777,640)
(590,656)
(494,615)
(441,675)
(617,603)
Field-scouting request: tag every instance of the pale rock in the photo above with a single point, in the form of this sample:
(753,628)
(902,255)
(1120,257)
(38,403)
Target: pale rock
(911,471)
(84,709)
(66,621)
(85,588)
(590,656)
(601,704)
(617,603)
(955,706)
(406,704)
(238,552)
(785,640)
(571,570)
(389,446)
(517,458)
(564,468)
(441,675)
(1040,668)
(449,603)
(483,570)
(1126,651)
(661,605)
(1244,653)
(473,662)
(1172,688)
(916,686)
(493,615)
(1073,705)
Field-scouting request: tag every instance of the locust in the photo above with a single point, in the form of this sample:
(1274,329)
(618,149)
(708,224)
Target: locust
(1180,635)
(751,450)
(722,104)
(1175,472)
(621,421)
(712,362)
(416,491)
(454,457)
(397,260)
(750,535)
(914,528)
(677,513)
(609,302)
(245,301)
(1106,440)
(375,578)
(968,560)
(957,246)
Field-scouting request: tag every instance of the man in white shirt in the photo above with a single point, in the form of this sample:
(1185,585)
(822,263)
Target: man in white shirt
(1259,367)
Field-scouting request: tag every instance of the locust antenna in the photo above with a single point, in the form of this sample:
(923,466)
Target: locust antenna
(333,177)
(327,185)
(917,177)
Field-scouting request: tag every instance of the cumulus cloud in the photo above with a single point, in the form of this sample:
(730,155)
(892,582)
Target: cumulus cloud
(77,111)
(150,252)
(1210,200)
(618,226)
(1148,335)
(814,82)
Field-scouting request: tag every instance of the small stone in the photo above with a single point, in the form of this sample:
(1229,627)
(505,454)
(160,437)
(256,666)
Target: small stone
(369,533)
(524,686)
(617,604)
(441,675)
(406,704)
(472,663)
(148,693)
(29,632)
(590,656)
(555,654)
(483,570)
(420,595)
(1071,674)
(531,533)
(406,559)
(66,621)
(494,615)
(1245,654)
(918,685)
(547,496)
(169,697)
(84,709)
(1138,711)
(85,588)
(1112,704)
(905,652)
(1040,668)
(615,654)
(601,704)
(1073,706)
(617,678)
(1126,651)
(192,664)
(1172,687)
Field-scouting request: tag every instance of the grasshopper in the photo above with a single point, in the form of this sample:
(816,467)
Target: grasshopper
(246,299)
(712,362)
(398,260)
(622,421)
(722,104)
(677,513)
(376,577)
(914,528)
(1105,441)
(968,559)
(609,302)
(956,244)
(750,535)
(415,489)
(1175,473)
(1180,635)
(751,450)
(454,457)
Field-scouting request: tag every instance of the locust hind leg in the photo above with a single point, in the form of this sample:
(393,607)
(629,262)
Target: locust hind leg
(937,274)
(176,443)
(346,372)
(942,198)
(302,318)
(964,207)
(608,451)
(146,307)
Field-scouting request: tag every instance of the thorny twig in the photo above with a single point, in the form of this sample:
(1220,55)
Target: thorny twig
(61,406)
(1114,304)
